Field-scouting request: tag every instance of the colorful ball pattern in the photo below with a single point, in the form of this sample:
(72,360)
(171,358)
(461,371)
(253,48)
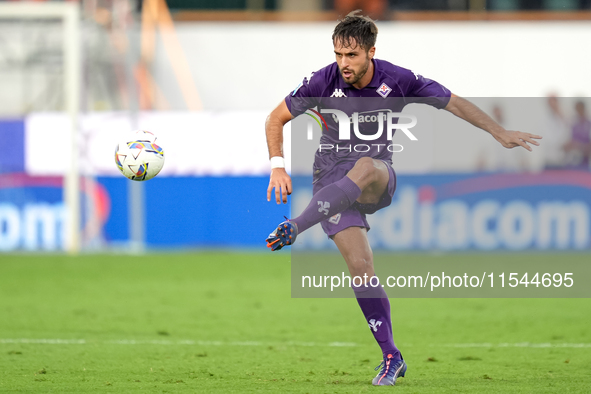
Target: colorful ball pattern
(139,158)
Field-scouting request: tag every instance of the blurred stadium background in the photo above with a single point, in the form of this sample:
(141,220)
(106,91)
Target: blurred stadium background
(203,75)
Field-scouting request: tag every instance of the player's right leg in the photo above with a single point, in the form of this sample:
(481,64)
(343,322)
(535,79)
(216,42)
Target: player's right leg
(365,183)
(355,249)
(372,177)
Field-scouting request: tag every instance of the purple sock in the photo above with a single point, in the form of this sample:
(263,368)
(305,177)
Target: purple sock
(375,306)
(329,201)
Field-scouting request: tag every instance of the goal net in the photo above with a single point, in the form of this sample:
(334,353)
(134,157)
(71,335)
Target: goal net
(41,71)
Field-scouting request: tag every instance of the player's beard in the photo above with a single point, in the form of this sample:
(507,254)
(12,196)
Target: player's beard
(355,77)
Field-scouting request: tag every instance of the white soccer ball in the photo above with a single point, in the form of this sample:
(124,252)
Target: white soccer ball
(138,157)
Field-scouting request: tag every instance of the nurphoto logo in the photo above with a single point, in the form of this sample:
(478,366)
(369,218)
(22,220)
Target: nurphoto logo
(383,118)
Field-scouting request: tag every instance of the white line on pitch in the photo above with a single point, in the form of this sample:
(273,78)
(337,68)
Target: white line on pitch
(522,344)
(45,341)
(189,342)
(170,342)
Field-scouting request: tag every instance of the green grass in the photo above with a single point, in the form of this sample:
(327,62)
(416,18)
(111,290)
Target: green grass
(224,322)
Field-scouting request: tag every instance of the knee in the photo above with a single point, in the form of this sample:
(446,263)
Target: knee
(364,162)
(361,266)
(366,168)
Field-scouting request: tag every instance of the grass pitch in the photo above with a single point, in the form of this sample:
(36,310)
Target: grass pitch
(225,322)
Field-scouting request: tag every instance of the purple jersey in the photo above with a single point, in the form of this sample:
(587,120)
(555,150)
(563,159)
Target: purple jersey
(390,89)
(581,134)
(582,131)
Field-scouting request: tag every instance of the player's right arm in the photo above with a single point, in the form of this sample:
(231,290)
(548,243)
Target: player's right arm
(280,180)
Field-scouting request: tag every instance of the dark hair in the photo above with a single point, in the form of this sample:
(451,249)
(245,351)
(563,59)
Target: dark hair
(358,28)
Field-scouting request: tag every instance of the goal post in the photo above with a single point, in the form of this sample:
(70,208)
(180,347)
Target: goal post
(69,14)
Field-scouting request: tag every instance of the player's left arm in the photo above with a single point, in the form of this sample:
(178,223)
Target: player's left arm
(464,109)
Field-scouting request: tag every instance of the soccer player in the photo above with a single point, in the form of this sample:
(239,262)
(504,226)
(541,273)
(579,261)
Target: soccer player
(356,184)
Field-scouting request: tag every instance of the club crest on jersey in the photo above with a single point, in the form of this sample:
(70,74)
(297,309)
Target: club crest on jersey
(338,93)
(384,90)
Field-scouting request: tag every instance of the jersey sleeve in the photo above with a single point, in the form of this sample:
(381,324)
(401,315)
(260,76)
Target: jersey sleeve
(427,91)
(302,97)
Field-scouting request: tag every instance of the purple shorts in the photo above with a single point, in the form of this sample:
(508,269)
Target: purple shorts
(354,216)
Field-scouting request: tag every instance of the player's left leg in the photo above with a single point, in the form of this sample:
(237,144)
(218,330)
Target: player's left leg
(373,300)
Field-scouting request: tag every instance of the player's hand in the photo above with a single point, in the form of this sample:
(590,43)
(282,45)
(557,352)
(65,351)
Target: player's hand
(511,139)
(281,182)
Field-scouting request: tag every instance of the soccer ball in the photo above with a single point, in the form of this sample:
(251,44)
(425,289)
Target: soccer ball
(138,157)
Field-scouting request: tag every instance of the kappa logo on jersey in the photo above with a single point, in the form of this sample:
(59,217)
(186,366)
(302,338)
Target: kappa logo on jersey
(324,206)
(384,90)
(335,219)
(373,324)
(338,93)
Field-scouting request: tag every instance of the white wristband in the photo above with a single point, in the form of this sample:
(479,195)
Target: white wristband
(277,162)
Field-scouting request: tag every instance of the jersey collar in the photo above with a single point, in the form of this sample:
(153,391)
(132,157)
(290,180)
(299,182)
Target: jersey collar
(374,83)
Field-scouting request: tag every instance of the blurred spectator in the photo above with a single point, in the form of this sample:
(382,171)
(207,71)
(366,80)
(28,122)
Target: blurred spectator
(555,133)
(495,157)
(375,9)
(579,147)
